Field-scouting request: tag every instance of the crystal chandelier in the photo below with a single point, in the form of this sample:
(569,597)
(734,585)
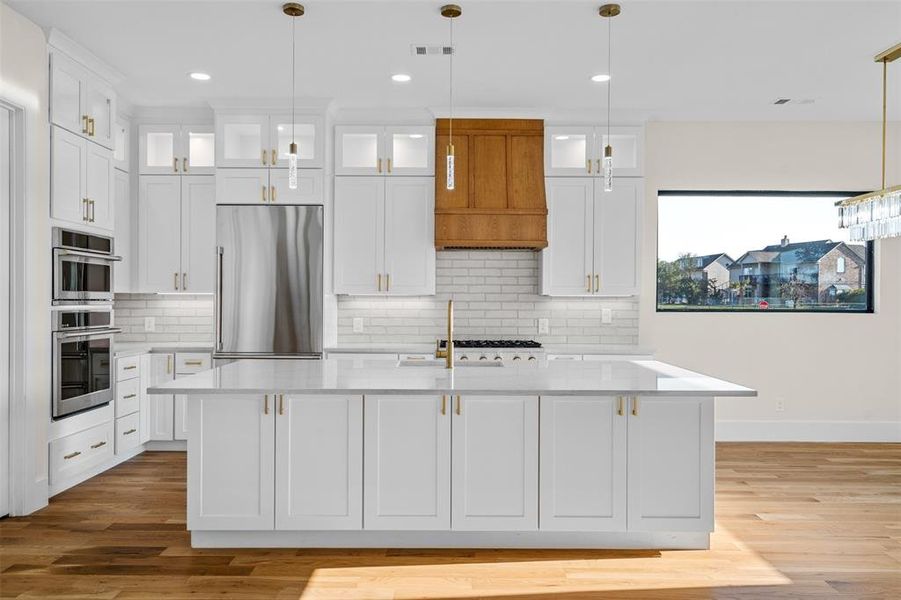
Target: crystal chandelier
(876,215)
(293,10)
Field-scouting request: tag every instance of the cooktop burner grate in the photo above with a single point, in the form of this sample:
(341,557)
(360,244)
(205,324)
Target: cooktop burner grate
(523,344)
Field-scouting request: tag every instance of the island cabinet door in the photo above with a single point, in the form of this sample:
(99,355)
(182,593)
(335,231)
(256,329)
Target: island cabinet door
(670,464)
(231,462)
(319,462)
(407,456)
(583,463)
(495,463)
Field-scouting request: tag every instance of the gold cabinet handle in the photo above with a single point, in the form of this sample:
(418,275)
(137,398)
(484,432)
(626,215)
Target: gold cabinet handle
(93,211)
(378,162)
(634,406)
(84,123)
(281,404)
(266,404)
(459,406)
(130,396)
(175,164)
(169,364)
(175,284)
(84,207)
(130,367)
(588,165)
(129,432)
(378,279)
(98,445)
(184,164)
(443,404)
(598,165)
(193,363)
(264,156)
(620,406)
(73,455)
(184,281)
(274,157)
(597,282)
(387,282)
(388,161)
(91,131)
(588,285)
(271,193)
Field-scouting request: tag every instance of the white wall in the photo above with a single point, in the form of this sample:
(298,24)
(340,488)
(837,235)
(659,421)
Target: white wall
(24,82)
(838,375)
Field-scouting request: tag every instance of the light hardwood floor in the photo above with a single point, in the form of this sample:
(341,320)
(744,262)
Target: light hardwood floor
(793,521)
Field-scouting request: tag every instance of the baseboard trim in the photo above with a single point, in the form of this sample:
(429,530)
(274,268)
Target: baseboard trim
(166,445)
(808,431)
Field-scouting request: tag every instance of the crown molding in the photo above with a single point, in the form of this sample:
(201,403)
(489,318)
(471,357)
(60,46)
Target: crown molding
(57,40)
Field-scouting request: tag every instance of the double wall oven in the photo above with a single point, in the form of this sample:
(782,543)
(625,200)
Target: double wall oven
(83,325)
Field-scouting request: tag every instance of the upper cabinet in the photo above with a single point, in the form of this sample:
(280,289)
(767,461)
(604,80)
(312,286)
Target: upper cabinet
(578,151)
(176,149)
(263,140)
(81,180)
(384,151)
(122,144)
(80,101)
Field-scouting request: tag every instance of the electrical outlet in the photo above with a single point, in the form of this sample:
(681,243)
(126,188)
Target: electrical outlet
(358,324)
(780,405)
(149,323)
(543,326)
(606,316)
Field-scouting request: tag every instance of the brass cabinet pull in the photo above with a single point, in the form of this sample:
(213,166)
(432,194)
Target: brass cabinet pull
(588,286)
(274,157)
(175,284)
(169,364)
(281,404)
(634,406)
(598,163)
(264,156)
(378,279)
(620,408)
(129,432)
(389,165)
(129,396)
(588,165)
(194,363)
(130,367)
(459,406)
(98,445)
(266,404)
(597,282)
(184,164)
(84,206)
(93,211)
(84,123)
(73,455)
(271,193)
(175,164)
(387,282)
(263,197)
(91,131)
(379,164)
(184,281)
(443,404)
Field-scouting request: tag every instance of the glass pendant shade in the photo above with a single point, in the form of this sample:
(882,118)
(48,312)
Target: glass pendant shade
(873,218)
(292,167)
(608,169)
(450,168)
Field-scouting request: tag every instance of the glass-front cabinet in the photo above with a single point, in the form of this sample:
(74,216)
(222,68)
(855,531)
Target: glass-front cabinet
(263,140)
(578,151)
(175,149)
(385,150)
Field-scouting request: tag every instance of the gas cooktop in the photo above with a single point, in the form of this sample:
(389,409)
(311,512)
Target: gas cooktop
(523,344)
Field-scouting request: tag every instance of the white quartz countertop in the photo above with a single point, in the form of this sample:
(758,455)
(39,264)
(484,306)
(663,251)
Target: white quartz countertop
(600,349)
(360,376)
(123,349)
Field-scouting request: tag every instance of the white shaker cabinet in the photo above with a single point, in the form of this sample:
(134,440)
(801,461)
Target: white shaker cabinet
(235,473)
(263,140)
(578,151)
(176,149)
(147,401)
(80,101)
(308,191)
(592,238)
(377,150)
(318,462)
(81,181)
(267,186)
(198,234)
(495,463)
(384,236)
(407,459)
(671,464)
(583,463)
(125,234)
(100,191)
(162,369)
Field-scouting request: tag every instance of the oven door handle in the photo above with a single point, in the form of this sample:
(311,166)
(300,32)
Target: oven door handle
(109,257)
(88,334)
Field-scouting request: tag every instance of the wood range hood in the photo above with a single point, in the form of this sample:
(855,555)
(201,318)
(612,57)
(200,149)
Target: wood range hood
(499,199)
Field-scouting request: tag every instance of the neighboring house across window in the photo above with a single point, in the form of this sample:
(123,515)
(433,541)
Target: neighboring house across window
(713,269)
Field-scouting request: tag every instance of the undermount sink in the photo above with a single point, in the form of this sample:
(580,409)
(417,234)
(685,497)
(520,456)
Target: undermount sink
(439,362)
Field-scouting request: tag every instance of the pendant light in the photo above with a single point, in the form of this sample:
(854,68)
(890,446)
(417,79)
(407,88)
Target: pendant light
(875,215)
(608,11)
(293,10)
(451,12)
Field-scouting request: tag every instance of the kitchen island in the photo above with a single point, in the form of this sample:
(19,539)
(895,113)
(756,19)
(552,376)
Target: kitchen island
(357,453)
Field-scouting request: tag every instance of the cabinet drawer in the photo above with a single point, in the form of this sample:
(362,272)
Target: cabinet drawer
(76,453)
(128,433)
(128,367)
(187,363)
(128,397)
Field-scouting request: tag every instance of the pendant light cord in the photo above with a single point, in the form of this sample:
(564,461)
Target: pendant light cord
(293,75)
(609,72)
(450,137)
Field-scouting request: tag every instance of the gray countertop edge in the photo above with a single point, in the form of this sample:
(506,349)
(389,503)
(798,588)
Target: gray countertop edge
(450,391)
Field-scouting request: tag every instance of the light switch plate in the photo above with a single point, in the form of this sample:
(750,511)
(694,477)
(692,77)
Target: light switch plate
(358,324)
(606,316)
(543,326)
(149,323)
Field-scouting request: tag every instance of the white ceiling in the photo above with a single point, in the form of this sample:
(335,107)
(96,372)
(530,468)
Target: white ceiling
(672,60)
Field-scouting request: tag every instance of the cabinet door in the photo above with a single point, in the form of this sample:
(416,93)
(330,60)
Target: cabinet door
(180,416)
(410,236)
(231,478)
(242,141)
(628,149)
(159,236)
(124,234)
(410,150)
(198,234)
(101,106)
(67,92)
(569,151)
(359,150)
(122,144)
(162,369)
(495,463)
(100,186)
(670,464)
(242,186)
(158,148)
(68,189)
(616,237)
(197,149)
(309,187)
(319,462)
(566,264)
(307,134)
(583,463)
(146,410)
(407,455)
(359,235)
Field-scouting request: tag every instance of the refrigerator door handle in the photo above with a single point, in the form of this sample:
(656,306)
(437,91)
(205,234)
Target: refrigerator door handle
(219,251)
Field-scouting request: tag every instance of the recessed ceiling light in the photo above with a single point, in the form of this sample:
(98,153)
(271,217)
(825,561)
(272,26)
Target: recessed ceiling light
(197,75)
(401,77)
(600,78)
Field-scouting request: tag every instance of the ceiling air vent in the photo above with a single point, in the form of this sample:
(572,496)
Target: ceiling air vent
(430,50)
(782,101)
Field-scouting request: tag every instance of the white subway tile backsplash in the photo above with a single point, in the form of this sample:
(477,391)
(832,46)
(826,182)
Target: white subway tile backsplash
(495,295)
(182,318)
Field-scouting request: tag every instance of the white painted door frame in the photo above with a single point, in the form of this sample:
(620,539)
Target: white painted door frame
(17,439)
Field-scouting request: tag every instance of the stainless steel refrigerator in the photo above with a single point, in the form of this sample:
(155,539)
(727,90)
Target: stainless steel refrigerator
(269,282)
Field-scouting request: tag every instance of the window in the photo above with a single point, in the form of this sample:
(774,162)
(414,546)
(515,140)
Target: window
(761,251)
